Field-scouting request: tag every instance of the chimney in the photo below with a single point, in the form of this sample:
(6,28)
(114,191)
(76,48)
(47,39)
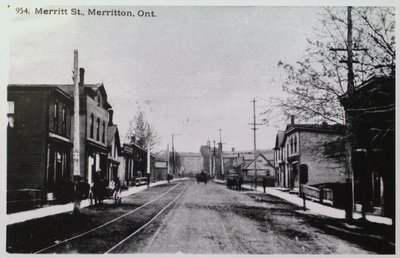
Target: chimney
(81,76)
(292,119)
(110,116)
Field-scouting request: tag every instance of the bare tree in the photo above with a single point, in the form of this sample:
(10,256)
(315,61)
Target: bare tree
(313,85)
(141,132)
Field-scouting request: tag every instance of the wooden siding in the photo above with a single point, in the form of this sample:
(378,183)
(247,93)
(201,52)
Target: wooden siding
(28,140)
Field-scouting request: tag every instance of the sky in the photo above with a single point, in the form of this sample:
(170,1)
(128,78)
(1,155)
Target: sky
(192,70)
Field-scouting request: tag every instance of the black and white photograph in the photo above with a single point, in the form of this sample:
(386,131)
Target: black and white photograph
(227,128)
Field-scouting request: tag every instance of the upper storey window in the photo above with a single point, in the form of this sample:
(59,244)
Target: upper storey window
(91,125)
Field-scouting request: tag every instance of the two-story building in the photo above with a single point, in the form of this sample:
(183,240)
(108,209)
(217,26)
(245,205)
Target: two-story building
(314,149)
(40,136)
(39,144)
(372,112)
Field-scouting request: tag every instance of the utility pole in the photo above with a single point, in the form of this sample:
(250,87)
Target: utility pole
(173,153)
(173,156)
(254,128)
(222,157)
(167,159)
(76,150)
(148,163)
(213,160)
(350,95)
(210,159)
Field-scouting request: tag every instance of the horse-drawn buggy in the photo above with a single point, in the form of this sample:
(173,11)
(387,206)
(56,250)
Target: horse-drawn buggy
(102,190)
(234,181)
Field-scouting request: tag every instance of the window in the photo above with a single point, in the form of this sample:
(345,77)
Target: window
(98,130)
(103,136)
(55,117)
(268,172)
(91,125)
(295,143)
(10,114)
(64,121)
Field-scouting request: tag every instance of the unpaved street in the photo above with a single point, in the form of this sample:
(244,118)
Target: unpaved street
(212,219)
(196,218)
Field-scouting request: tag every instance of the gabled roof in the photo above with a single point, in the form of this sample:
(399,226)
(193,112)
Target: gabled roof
(112,133)
(317,128)
(279,138)
(248,163)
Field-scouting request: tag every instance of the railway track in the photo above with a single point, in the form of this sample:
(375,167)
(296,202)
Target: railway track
(110,236)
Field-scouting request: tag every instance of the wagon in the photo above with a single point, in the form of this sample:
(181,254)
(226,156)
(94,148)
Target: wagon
(202,177)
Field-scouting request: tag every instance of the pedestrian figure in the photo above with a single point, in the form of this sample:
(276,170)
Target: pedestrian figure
(255,183)
(240,182)
(264,183)
(81,193)
(148,180)
(169,178)
(98,189)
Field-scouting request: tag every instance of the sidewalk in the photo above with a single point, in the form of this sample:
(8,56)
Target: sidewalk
(314,207)
(62,208)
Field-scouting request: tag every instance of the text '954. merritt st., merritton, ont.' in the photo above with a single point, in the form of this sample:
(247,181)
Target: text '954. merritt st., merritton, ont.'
(93,12)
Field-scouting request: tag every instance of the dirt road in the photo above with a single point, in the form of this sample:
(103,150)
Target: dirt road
(212,219)
(196,218)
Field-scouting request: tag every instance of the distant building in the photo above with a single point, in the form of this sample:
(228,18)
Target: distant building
(191,163)
(126,167)
(132,168)
(245,167)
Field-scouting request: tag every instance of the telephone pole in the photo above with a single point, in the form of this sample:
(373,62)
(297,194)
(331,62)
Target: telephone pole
(222,157)
(350,95)
(167,159)
(213,160)
(254,128)
(173,153)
